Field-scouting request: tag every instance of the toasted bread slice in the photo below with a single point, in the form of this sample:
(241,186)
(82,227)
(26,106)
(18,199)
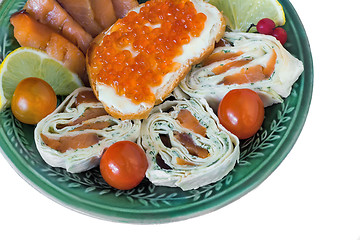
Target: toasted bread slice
(159,69)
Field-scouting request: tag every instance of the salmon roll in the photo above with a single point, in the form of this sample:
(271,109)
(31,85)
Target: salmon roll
(93,15)
(50,13)
(31,33)
(186,146)
(122,7)
(245,60)
(78,132)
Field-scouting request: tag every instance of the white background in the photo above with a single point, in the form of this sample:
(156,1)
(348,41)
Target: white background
(314,193)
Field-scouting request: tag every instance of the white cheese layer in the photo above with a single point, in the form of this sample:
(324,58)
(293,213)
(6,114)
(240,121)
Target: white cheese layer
(122,104)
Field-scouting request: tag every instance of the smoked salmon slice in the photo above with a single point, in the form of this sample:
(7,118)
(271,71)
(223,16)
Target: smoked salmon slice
(30,33)
(50,13)
(249,74)
(187,120)
(122,7)
(93,15)
(104,12)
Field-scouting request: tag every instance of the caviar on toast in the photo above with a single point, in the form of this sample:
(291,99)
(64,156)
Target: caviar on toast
(140,59)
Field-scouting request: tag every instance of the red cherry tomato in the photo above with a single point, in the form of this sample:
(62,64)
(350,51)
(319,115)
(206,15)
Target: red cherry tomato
(123,165)
(265,26)
(33,100)
(241,112)
(280,34)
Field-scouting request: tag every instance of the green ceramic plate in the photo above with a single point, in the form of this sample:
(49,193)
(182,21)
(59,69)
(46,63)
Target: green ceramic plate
(89,194)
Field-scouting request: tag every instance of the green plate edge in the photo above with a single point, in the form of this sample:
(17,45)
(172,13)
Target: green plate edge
(177,213)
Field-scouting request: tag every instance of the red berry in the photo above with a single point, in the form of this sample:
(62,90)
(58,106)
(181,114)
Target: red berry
(280,35)
(265,26)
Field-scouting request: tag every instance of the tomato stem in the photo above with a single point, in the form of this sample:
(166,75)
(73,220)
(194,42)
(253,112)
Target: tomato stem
(251,26)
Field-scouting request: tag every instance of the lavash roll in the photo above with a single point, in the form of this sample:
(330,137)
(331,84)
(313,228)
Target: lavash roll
(163,155)
(65,122)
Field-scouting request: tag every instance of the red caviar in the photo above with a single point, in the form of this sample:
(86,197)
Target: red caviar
(140,52)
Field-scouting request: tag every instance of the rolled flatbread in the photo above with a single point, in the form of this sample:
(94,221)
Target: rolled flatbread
(77,133)
(247,60)
(186,146)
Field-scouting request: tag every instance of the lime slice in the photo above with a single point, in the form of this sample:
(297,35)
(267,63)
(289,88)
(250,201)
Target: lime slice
(27,62)
(240,14)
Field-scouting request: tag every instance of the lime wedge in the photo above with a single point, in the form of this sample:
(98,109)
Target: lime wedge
(241,14)
(27,62)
